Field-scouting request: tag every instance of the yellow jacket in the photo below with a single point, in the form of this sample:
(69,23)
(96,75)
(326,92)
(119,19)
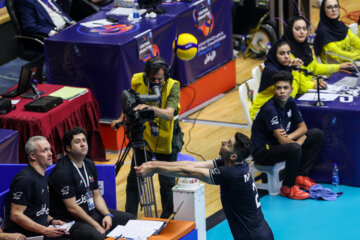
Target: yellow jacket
(163,142)
(349,47)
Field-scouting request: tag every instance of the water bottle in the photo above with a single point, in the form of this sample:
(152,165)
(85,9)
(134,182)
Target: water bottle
(243,44)
(268,47)
(136,12)
(335,176)
(311,39)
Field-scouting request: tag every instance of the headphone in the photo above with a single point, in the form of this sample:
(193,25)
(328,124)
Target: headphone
(150,64)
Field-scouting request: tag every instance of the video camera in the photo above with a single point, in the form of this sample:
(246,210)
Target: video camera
(130,99)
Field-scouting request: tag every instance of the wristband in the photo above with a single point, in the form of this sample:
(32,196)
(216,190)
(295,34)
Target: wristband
(109,214)
(50,222)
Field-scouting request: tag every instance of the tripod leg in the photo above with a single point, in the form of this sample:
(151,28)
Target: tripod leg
(120,162)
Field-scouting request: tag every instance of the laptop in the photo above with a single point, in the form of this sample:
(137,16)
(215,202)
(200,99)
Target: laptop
(29,72)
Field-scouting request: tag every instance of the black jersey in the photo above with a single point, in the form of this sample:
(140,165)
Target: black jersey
(30,189)
(270,117)
(240,201)
(65,182)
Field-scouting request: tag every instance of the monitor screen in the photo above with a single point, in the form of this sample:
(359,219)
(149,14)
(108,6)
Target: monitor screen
(30,71)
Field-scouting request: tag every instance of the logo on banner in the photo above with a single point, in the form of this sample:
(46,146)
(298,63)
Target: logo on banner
(108,30)
(205,26)
(155,53)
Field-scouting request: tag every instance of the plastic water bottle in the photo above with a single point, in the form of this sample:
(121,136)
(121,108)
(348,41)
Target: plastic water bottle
(268,47)
(335,176)
(243,44)
(136,12)
(311,39)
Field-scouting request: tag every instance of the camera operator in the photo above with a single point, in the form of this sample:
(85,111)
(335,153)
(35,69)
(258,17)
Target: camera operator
(163,134)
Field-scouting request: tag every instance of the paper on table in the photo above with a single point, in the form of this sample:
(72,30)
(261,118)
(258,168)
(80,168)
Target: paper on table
(331,88)
(68,92)
(121,11)
(96,23)
(137,229)
(326,97)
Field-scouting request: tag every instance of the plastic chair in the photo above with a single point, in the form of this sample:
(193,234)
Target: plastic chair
(248,91)
(354,28)
(273,184)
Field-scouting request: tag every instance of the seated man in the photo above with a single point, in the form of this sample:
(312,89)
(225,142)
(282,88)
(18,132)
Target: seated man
(11,236)
(74,191)
(27,209)
(279,133)
(239,195)
(41,17)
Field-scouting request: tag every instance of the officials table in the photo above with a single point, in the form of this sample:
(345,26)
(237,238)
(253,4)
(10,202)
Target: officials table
(104,58)
(81,111)
(340,122)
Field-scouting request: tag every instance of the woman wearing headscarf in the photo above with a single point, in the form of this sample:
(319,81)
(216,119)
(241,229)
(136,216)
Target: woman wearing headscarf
(295,34)
(334,36)
(278,58)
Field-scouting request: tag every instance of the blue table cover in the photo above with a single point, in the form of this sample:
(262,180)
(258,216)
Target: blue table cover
(340,122)
(105,58)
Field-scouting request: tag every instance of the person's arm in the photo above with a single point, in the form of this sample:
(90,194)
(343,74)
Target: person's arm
(78,213)
(299,132)
(101,206)
(17,216)
(202,164)
(11,236)
(176,171)
(117,121)
(163,113)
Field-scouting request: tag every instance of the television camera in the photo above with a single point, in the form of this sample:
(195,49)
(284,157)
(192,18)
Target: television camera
(134,129)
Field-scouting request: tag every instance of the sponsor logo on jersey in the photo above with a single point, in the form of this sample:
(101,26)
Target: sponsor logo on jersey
(81,200)
(274,120)
(289,113)
(43,210)
(214,171)
(17,195)
(65,190)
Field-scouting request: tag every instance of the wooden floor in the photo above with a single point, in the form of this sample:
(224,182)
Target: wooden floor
(206,139)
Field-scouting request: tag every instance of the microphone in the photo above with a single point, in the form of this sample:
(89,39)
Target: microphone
(299,69)
(307,73)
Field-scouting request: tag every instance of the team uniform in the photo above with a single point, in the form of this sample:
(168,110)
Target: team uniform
(240,201)
(268,151)
(68,181)
(30,189)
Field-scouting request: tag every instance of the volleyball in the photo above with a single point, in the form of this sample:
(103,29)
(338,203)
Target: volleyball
(185,46)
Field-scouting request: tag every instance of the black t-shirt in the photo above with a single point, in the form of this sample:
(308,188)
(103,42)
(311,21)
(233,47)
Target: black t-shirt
(240,201)
(65,182)
(270,117)
(29,189)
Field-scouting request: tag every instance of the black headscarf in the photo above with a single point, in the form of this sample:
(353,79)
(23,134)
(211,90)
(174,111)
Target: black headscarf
(272,66)
(329,30)
(300,50)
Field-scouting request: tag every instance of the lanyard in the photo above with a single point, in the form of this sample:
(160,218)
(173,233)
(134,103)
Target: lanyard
(86,183)
(55,9)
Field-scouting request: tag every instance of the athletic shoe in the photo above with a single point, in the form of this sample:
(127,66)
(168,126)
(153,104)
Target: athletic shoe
(293,192)
(304,182)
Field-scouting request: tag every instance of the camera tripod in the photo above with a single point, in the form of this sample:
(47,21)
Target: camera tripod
(145,184)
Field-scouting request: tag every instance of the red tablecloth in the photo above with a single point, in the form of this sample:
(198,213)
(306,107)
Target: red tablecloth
(82,111)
